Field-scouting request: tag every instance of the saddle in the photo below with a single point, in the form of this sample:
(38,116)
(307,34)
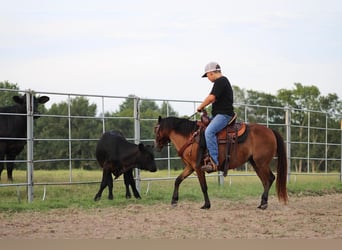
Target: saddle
(232,131)
(232,134)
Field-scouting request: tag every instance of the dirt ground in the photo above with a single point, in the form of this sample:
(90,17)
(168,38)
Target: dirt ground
(309,217)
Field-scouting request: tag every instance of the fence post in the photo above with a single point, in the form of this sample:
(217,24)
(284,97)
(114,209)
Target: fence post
(288,140)
(69,138)
(29,108)
(341,152)
(220,178)
(137,136)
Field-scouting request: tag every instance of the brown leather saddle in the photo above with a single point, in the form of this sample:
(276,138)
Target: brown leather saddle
(231,135)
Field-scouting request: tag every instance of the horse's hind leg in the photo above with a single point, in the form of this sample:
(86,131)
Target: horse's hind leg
(267,178)
(267,185)
(204,187)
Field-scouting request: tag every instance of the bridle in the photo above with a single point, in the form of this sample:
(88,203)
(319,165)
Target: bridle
(162,141)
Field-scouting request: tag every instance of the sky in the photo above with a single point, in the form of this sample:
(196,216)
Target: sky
(158,49)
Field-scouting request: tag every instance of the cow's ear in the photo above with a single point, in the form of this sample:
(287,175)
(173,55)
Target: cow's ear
(141,147)
(43,99)
(18,99)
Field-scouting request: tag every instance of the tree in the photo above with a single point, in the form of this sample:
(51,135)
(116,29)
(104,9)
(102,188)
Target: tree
(6,97)
(306,123)
(167,110)
(54,129)
(123,119)
(258,110)
(331,105)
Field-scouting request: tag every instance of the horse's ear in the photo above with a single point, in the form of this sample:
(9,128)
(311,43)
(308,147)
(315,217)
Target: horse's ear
(159,119)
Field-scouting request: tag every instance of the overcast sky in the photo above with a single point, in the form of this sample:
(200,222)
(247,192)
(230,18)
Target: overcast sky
(158,49)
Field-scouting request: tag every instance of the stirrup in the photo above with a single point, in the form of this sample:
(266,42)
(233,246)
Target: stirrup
(209,165)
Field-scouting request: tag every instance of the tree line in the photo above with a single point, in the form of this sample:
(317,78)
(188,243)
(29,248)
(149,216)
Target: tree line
(53,143)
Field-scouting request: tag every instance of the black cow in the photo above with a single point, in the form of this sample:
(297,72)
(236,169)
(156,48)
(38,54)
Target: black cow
(15,126)
(118,156)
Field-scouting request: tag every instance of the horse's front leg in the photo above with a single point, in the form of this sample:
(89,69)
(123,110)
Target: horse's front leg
(188,170)
(203,182)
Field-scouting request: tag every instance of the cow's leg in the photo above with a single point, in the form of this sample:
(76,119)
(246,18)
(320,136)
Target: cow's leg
(10,167)
(106,175)
(126,181)
(110,187)
(129,181)
(2,157)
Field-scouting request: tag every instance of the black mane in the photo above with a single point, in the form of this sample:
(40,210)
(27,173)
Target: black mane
(181,126)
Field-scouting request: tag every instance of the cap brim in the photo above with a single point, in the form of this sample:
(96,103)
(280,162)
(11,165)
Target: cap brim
(205,75)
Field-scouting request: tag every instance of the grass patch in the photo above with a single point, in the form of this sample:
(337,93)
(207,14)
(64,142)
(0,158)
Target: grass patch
(46,197)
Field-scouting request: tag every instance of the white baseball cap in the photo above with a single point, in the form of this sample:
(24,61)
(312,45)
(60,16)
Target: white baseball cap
(210,67)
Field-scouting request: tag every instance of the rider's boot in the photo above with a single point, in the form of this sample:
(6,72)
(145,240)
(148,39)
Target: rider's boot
(209,165)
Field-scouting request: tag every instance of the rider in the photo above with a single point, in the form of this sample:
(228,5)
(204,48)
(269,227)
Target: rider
(221,98)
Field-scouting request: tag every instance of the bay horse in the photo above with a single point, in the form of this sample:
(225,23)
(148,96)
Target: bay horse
(259,147)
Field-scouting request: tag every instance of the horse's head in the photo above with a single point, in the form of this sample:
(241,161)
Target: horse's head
(161,135)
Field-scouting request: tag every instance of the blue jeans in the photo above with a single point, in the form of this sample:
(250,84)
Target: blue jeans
(217,123)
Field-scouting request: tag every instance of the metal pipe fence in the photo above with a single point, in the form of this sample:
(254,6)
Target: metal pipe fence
(313,139)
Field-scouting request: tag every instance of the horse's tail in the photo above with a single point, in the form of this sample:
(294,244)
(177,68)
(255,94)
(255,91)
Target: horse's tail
(281,168)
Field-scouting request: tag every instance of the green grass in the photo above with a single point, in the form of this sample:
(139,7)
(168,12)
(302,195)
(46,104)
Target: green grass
(46,197)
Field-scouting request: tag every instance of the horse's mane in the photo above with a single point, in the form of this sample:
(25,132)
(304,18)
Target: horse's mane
(181,126)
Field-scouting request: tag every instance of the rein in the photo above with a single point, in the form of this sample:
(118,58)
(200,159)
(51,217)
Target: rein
(202,124)
(190,141)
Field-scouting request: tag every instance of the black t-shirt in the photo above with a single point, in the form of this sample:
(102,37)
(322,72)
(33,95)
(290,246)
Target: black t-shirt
(223,92)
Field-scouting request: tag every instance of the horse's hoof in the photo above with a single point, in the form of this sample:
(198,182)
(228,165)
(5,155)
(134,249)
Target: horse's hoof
(262,206)
(97,198)
(205,206)
(173,205)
